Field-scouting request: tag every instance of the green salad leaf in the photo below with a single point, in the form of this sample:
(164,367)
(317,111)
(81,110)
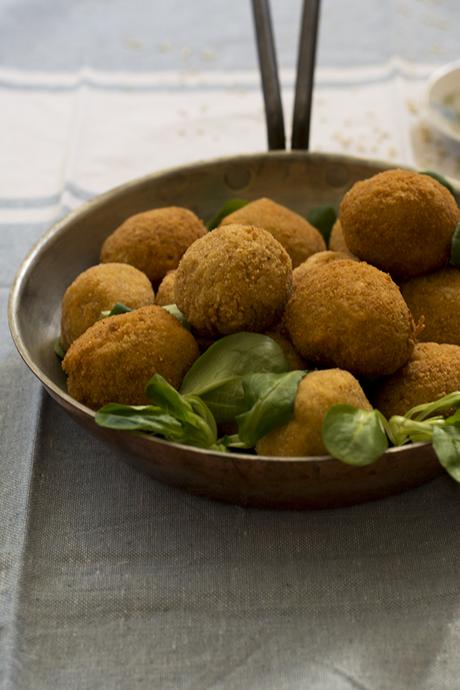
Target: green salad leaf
(148,418)
(116,309)
(455,247)
(446,443)
(447,402)
(269,399)
(172,416)
(360,437)
(217,376)
(439,178)
(355,436)
(229,207)
(323,218)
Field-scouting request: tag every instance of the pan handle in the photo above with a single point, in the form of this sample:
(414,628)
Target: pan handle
(269,74)
(305,73)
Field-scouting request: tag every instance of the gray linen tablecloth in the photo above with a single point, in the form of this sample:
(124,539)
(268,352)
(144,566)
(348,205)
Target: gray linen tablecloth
(108,579)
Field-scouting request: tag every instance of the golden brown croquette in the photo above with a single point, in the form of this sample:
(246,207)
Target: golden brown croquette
(114,359)
(435,298)
(236,278)
(351,315)
(320,258)
(337,240)
(299,238)
(98,289)
(432,371)
(293,357)
(165,292)
(153,241)
(316,393)
(400,221)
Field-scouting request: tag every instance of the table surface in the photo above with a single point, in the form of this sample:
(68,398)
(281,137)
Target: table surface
(108,579)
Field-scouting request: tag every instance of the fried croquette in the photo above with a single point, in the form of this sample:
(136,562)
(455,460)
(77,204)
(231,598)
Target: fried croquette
(153,241)
(236,278)
(165,292)
(316,393)
(114,359)
(432,372)
(400,221)
(435,298)
(351,315)
(98,289)
(320,258)
(337,240)
(299,238)
(294,359)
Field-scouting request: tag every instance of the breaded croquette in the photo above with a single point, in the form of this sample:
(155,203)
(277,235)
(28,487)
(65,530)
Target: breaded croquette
(400,221)
(114,359)
(299,238)
(236,278)
(153,241)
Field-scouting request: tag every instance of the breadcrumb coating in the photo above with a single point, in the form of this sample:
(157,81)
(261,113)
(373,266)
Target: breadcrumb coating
(319,259)
(435,299)
(400,221)
(114,359)
(292,356)
(153,241)
(165,292)
(337,241)
(432,371)
(236,278)
(98,289)
(299,238)
(350,315)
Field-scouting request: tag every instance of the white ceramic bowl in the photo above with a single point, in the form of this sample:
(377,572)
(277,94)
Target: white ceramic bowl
(443,100)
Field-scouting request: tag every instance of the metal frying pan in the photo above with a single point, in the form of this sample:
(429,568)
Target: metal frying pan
(298,179)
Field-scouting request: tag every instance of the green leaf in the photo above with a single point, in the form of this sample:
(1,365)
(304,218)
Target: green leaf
(166,397)
(58,349)
(446,443)
(116,309)
(196,418)
(323,218)
(229,207)
(402,429)
(173,416)
(146,418)
(454,419)
(455,247)
(354,436)
(216,376)
(420,412)
(270,400)
(439,178)
(174,310)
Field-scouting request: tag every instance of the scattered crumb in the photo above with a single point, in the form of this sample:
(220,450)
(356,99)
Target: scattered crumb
(427,136)
(435,22)
(208,55)
(344,141)
(435,49)
(412,107)
(134,44)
